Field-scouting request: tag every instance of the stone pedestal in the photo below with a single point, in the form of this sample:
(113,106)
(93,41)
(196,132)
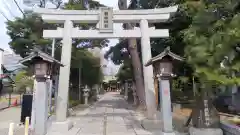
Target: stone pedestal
(86,95)
(126,90)
(61,127)
(85,99)
(152,125)
(41,107)
(205,131)
(171,133)
(166,110)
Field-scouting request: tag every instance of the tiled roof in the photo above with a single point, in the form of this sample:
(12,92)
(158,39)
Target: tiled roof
(11,62)
(166,52)
(38,53)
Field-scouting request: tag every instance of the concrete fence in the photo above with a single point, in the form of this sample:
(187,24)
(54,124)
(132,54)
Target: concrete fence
(26,128)
(229,129)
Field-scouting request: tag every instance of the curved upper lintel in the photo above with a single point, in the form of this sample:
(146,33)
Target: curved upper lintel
(166,10)
(119,16)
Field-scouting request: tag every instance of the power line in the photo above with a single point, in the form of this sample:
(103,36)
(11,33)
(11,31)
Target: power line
(1,12)
(19,7)
(9,10)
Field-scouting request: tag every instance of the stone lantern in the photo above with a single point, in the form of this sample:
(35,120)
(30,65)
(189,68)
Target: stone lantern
(42,65)
(86,94)
(126,88)
(162,64)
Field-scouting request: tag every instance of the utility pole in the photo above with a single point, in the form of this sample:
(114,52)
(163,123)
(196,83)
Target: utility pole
(51,82)
(80,74)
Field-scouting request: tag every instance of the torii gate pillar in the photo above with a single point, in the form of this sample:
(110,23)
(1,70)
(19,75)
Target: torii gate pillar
(68,17)
(62,101)
(61,123)
(147,71)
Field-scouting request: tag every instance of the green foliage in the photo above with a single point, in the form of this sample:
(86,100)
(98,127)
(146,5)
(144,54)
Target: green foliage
(118,53)
(25,33)
(212,36)
(90,65)
(22,81)
(204,32)
(125,72)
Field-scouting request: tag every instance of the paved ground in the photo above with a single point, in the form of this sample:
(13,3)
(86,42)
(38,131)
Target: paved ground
(3,105)
(109,116)
(8,116)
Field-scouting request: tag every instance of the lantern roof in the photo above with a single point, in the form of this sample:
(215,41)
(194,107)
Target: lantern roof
(37,53)
(166,52)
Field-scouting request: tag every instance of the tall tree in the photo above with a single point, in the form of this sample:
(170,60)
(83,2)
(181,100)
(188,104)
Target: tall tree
(131,46)
(25,33)
(206,33)
(212,36)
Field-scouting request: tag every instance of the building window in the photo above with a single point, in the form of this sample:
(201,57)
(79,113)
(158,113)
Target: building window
(105,25)
(106,13)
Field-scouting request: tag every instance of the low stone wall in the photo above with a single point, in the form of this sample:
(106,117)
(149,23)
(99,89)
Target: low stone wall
(229,129)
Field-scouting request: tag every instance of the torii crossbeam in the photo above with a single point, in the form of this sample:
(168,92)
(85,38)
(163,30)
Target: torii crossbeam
(105,17)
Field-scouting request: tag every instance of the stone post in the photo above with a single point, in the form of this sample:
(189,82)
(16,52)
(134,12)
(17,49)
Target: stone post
(33,114)
(56,93)
(166,110)
(41,109)
(148,71)
(126,90)
(86,95)
(49,85)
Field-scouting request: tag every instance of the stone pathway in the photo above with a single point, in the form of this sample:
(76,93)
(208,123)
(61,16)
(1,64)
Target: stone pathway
(109,116)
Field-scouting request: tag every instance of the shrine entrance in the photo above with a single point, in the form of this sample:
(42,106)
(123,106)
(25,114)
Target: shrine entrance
(105,18)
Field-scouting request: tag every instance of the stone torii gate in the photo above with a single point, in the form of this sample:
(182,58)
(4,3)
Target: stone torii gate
(105,17)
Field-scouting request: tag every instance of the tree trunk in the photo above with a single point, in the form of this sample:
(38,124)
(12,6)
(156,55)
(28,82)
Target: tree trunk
(137,70)
(136,63)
